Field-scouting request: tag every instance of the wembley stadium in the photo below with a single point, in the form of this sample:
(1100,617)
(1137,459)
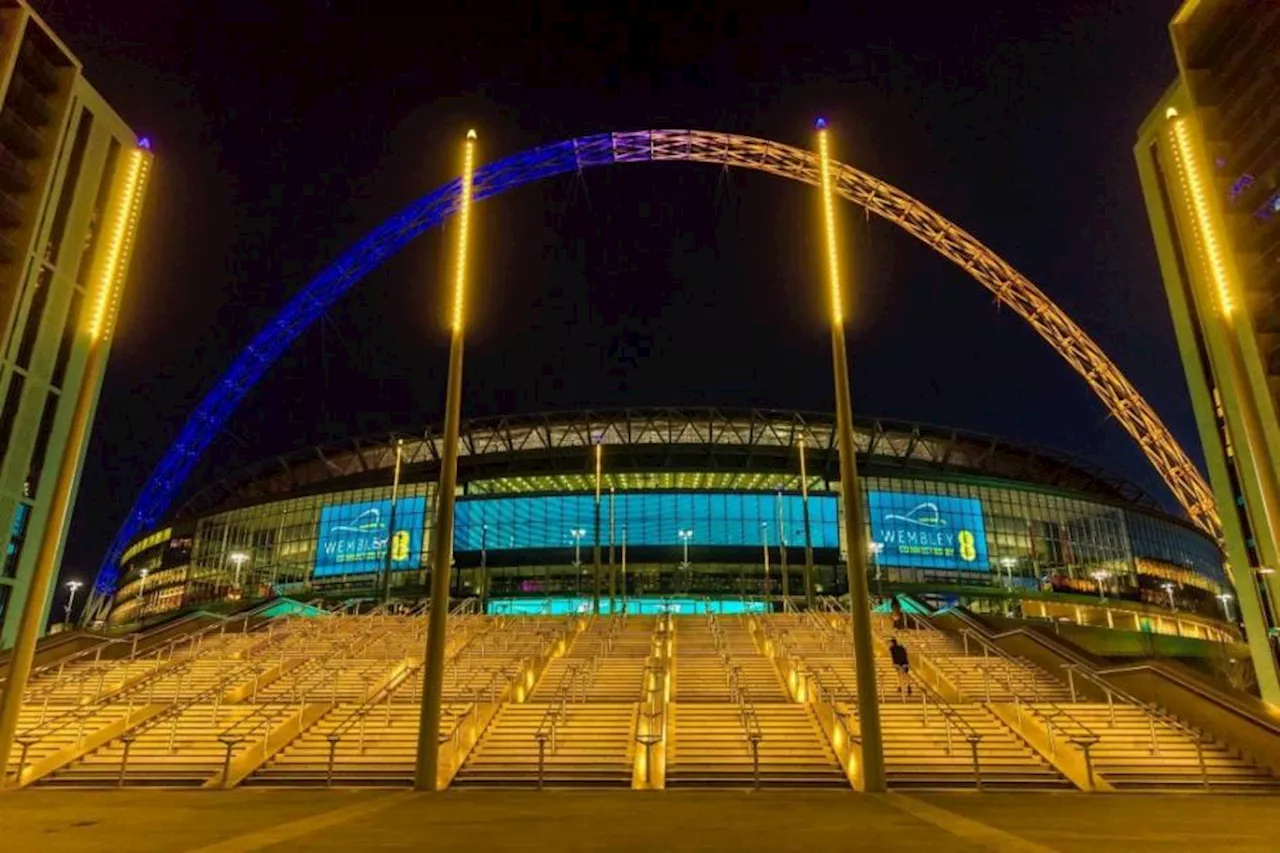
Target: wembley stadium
(657,509)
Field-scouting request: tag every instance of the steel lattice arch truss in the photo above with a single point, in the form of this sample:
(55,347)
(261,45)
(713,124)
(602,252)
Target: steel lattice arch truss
(1013,289)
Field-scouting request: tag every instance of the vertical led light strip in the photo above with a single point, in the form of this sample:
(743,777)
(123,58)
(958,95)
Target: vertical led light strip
(124,228)
(1192,178)
(829,203)
(464,222)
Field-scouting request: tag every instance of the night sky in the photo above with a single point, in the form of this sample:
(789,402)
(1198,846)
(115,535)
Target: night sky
(284,130)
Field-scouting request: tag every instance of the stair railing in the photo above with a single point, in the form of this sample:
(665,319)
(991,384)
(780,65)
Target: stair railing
(1059,724)
(546,733)
(1153,713)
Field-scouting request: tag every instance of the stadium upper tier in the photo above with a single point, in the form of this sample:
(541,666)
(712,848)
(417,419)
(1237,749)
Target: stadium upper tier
(691,502)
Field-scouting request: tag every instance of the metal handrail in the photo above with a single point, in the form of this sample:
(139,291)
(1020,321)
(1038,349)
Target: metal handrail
(1057,720)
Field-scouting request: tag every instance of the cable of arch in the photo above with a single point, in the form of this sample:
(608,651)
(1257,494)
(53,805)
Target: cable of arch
(1123,401)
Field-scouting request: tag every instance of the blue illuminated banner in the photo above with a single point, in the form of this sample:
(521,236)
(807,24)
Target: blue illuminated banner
(643,606)
(928,531)
(353,537)
(741,519)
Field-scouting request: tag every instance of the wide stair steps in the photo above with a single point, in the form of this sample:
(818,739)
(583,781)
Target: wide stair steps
(708,748)
(1125,757)
(594,747)
(920,755)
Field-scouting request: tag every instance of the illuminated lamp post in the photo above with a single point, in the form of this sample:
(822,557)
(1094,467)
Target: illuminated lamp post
(595,550)
(72,586)
(1008,563)
(685,565)
(624,568)
(1168,588)
(427,770)
(613,572)
(859,602)
(391,523)
(109,270)
(782,554)
(808,535)
(142,591)
(1101,577)
(1225,598)
(764,546)
(238,559)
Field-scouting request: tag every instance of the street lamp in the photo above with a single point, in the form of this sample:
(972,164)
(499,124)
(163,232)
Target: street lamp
(576,534)
(1009,563)
(1168,588)
(238,559)
(1225,598)
(72,586)
(873,551)
(764,545)
(685,566)
(864,664)
(1101,576)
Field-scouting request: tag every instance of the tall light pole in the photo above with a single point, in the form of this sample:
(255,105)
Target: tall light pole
(1101,577)
(142,591)
(72,586)
(808,534)
(613,573)
(576,535)
(782,554)
(110,264)
(1008,563)
(1168,588)
(238,559)
(855,528)
(764,546)
(1225,598)
(686,569)
(391,523)
(624,568)
(427,771)
(595,594)
(484,566)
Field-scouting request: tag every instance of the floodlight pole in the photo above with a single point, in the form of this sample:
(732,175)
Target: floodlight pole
(110,270)
(595,541)
(427,771)
(808,535)
(855,533)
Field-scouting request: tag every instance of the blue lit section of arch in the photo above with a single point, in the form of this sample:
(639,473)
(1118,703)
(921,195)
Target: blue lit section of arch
(313,300)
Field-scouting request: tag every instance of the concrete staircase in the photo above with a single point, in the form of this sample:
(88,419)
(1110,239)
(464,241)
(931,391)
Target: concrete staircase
(593,746)
(1131,759)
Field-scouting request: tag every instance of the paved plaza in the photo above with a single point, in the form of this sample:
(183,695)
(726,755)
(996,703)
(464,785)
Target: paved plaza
(565,821)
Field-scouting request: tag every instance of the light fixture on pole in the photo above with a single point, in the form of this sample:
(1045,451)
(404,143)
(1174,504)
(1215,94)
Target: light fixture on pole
(1101,577)
(782,553)
(864,665)
(613,572)
(72,586)
(576,535)
(1225,598)
(808,536)
(1168,588)
(873,551)
(238,559)
(426,775)
(624,568)
(1008,563)
(595,545)
(391,524)
(764,546)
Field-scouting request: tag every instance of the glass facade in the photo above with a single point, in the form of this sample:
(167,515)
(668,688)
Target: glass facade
(961,532)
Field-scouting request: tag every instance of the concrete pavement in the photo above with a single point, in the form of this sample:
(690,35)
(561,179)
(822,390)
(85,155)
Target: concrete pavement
(658,822)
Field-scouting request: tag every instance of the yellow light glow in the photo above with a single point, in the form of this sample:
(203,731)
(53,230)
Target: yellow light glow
(124,225)
(829,219)
(1194,189)
(599,451)
(464,220)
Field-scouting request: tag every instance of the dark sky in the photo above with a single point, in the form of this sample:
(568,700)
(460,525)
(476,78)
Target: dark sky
(285,130)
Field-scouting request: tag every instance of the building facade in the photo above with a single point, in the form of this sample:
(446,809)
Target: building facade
(66,162)
(693,504)
(1209,159)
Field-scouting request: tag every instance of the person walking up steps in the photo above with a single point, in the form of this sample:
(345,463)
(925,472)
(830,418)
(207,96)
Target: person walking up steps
(898,653)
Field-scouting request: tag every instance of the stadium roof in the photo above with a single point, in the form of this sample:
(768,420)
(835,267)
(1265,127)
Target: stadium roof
(659,439)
